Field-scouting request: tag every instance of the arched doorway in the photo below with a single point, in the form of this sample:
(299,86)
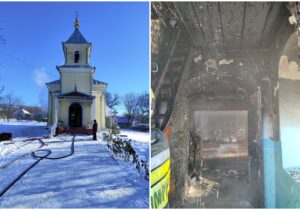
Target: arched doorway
(221,148)
(75,115)
(234,180)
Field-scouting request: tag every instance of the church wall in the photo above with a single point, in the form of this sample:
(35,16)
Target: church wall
(98,92)
(100,107)
(51,106)
(97,108)
(49,109)
(103,111)
(86,111)
(82,81)
(63,112)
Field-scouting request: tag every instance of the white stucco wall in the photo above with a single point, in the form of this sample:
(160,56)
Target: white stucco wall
(80,77)
(84,53)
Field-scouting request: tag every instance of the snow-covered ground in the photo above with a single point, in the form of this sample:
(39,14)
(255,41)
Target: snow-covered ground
(21,130)
(140,142)
(24,129)
(90,178)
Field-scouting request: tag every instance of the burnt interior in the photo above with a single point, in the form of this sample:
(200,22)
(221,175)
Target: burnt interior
(218,149)
(215,83)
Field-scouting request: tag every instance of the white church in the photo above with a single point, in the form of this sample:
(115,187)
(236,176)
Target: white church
(76,99)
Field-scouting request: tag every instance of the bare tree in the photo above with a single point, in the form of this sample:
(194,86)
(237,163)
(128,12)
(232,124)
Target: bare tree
(1,93)
(143,107)
(112,100)
(10,103)
(2,40)
(130,103)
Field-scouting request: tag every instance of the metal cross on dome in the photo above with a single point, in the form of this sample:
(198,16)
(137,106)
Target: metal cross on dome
(76,24)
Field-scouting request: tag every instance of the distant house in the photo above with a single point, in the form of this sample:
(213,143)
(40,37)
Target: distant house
(140,126)
(26,112)
(123,122)
(22,114)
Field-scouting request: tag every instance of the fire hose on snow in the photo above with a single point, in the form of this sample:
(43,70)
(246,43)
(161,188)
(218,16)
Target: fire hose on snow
(47,152)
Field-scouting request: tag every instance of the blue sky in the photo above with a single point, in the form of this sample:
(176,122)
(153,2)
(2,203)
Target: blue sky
(119,32)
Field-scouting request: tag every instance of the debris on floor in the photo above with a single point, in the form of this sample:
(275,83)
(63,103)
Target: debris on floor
(233,173)
(200,187)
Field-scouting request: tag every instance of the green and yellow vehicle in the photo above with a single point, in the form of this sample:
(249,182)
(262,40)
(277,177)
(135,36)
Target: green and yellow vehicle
(160,169)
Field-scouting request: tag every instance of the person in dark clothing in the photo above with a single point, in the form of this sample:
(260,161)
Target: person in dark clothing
(95,127)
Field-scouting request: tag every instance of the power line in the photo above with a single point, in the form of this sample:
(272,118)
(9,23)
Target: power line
(25,63)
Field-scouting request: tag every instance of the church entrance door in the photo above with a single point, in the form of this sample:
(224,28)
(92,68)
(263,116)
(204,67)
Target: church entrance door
(75,115)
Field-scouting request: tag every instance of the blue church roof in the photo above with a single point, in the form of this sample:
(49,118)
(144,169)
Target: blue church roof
(77,38)
(95,82)
(53,82)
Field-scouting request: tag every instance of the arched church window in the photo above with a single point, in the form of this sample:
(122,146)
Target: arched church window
(76,57)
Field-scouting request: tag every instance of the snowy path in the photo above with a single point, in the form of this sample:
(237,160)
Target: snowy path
(90,178)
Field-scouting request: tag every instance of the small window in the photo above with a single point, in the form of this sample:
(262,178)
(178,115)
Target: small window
(76,57)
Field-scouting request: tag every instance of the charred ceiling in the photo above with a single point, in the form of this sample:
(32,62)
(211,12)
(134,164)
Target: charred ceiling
(224,39)
(225,26)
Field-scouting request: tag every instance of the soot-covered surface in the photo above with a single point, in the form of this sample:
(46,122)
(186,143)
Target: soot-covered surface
(223,183)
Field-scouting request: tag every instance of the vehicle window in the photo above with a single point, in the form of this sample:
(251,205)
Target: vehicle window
(158,142)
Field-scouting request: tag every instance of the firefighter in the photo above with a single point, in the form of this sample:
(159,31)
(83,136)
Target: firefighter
(160,166)
(95,128)
(160,170)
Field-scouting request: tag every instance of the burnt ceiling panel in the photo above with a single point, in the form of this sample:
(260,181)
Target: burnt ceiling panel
(190,23)
(208,19)
(214,27)
(255,16)
(276,15)
(232,23)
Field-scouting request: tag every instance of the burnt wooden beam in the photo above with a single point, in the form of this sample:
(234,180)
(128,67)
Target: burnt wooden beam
(186,27)
(276,16)
(221,25)
(199,25)
(161,78)
(243,25)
